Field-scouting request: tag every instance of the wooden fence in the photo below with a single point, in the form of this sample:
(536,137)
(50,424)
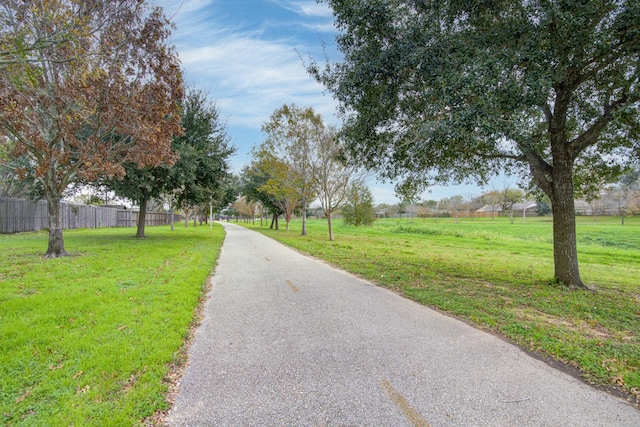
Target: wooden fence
(19,215)
(129,218)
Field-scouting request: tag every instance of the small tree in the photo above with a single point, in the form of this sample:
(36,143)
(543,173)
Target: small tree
(358,209)
(331,175)
(253,180)
(140,185)
(281,183)
(625,191)
(292,134)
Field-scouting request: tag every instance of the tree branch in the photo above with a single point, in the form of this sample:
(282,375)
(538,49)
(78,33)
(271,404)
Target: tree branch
(590,136)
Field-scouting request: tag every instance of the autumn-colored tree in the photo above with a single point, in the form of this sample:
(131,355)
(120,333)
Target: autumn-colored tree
(292,132)
(245,208)
(282,185)
(253,180)
(85,87)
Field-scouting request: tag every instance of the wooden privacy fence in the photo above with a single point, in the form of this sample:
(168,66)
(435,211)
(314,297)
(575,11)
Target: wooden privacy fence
(19,215)
(129,218)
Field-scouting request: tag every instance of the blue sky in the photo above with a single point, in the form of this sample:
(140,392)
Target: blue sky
(248,55)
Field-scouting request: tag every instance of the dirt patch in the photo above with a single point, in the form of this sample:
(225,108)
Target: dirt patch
(584,328)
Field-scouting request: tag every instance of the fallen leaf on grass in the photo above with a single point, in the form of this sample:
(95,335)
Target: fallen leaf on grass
(608,364)
(24,396)
(618,380)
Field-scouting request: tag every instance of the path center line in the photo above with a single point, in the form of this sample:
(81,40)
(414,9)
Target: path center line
(292,286)
(403,404)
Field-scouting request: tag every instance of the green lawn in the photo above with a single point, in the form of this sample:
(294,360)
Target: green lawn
(498,275)
(88,340)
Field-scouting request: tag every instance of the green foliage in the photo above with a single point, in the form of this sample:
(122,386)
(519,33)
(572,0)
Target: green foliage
(139,184)
(358,207)
(292,134)
(88,340)
(17,178)
(496,274)
(201,174)
(457,91)
(254,178)
(464,89)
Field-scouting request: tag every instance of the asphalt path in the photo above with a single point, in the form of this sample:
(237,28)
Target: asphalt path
(288,340)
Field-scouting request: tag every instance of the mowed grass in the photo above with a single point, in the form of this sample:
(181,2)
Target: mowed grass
(498,275)
(88,340)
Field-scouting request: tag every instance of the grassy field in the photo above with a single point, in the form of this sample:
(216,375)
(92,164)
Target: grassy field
(88,340)
(498,275)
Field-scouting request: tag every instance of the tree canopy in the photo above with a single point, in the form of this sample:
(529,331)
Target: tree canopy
(301,160)
(201,173)
(85,87)
(456,90)
(292,132)
(201,170)
(254,179)
(358,208)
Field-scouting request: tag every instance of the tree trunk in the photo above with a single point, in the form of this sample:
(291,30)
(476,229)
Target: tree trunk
(556,181)
(331,238)
(195,216)
(55,248)
(304,217)
(142,216)
(565,252)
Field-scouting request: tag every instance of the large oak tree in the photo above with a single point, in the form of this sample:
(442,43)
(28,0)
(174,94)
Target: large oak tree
(85,87)
(457,90)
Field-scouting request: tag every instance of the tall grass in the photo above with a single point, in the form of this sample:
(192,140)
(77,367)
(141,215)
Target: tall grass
(87,340)
(498,275)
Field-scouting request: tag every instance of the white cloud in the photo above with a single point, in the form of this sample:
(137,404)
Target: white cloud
(251,68)
(250,78)
(308,8)
(313,9)
(172,7)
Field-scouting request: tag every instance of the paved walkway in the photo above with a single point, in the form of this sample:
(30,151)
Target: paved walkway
(288,340)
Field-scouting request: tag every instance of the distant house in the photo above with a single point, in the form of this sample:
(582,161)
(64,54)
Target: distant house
(583,208)
(531,208)
(382,214)
(489,209)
